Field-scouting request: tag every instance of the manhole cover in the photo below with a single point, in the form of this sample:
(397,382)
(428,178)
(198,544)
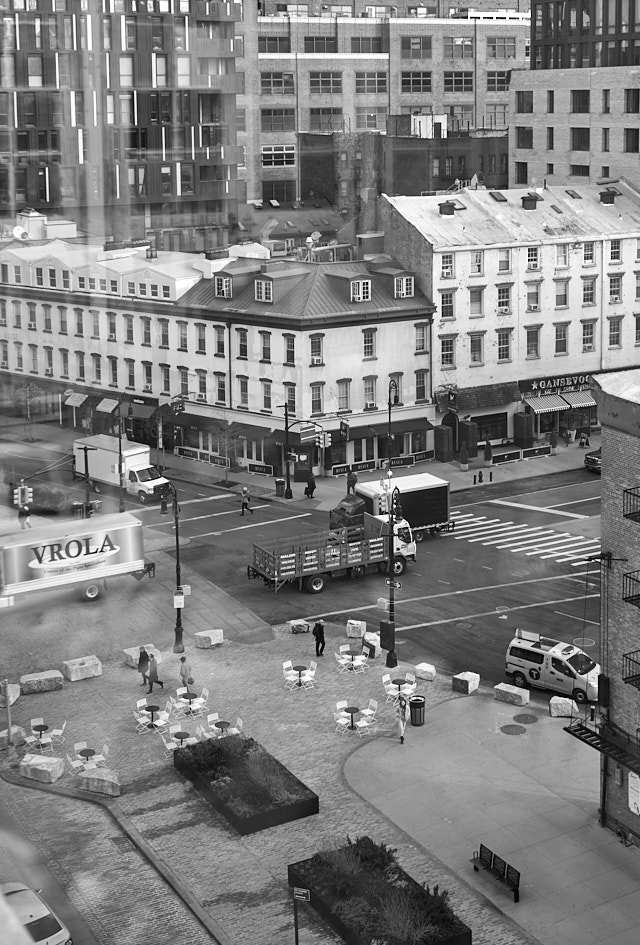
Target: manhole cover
(583,642)
(463,625)
(122,844)
(525,718)
(513,729)
(502,608)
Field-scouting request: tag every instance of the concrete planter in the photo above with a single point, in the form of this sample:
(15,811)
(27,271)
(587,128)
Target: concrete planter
(251,823)
(301,875)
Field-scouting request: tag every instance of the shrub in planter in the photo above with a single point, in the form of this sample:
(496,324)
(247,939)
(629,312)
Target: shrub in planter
(553,440)
(488,453)
(463,457)
(245,783)
(362,892)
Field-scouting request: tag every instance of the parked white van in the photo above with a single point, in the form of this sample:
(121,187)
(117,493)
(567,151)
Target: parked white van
(534,660)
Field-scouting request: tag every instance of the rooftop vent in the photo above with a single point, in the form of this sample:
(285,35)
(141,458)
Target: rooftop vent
(529,202)
(607,196)
(447,209)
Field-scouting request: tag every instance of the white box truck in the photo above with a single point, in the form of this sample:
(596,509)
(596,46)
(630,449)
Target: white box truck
(74,552)
(140,477)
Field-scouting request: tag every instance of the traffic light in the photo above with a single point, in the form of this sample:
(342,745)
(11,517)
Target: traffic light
(319,440)
(28,494)
(178,406)
(16,497)
(344,430)
(327,439)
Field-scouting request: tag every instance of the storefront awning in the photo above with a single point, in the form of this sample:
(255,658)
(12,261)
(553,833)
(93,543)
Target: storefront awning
(141,411)
(579,398)
(548,403)
(75,400)
(401,426)
(107,405)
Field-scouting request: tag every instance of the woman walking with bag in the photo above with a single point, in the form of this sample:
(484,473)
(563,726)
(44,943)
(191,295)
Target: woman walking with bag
(402,715)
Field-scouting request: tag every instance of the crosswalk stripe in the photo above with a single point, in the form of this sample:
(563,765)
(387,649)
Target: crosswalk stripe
(516,538)
(505,532)
(530,541)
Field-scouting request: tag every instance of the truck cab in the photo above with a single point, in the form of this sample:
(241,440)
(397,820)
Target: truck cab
(543,663)
(146,481)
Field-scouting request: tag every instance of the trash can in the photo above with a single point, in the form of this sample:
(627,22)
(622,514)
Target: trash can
(280,488)
(416,706)
(369,649)
(78,509)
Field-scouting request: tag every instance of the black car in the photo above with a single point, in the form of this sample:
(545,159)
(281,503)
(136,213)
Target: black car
(593,461)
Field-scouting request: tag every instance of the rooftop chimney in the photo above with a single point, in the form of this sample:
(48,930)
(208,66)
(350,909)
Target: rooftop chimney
(529,202)
(607,196)
(447,209)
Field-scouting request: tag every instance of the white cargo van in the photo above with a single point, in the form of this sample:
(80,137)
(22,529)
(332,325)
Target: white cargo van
(534,660)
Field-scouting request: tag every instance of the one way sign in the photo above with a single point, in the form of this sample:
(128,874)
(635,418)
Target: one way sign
(396,584)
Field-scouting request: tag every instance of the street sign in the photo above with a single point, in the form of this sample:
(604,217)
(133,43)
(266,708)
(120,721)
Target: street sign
(178,600)
(307,433)
(299,893)
(396,584)
(186,589)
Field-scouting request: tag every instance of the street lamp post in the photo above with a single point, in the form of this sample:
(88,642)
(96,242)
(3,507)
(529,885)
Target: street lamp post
(288,494)
(392,498)
(178,646)
(120,464)
(87,482)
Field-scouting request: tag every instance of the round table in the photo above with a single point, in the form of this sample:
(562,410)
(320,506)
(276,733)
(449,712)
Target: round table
(299,670)
(222,725)
(40,729)
(189,697)
(152,709)
(352,709)
(181,736)
(399,683)
(87,753)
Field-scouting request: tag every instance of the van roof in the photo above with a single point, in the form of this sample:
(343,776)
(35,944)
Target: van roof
(537,642)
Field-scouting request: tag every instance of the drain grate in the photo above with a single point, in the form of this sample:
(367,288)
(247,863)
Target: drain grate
(122,844)
(525,719)
(513,729)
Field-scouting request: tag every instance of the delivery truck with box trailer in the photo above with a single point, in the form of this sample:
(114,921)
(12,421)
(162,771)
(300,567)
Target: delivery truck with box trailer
(140,477)
(80,552)
(310,560)
(424,500)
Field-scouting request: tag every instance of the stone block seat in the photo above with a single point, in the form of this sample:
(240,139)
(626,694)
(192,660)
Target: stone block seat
(44,768)
(101,781)
(465,683)
(84,667)
(205,639)
(503,692)
(561,707)
(48,681)
(18,737)
(425,671)
(132,654)
(356,629)
(299,626)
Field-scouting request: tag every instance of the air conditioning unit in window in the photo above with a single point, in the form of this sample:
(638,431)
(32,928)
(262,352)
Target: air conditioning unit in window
(533,265)
(504,310)
(48,372)
(4,364)
(316,359)
(533,308)
(370,405)
(202,398)
(587,347)
(112,337)
(147,389)
(614,298)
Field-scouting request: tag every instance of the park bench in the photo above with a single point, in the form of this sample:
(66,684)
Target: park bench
(485,859)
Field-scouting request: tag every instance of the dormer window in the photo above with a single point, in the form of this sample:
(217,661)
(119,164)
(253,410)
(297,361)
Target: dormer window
(404,287)
(361,290)
(264,291)
(223,287)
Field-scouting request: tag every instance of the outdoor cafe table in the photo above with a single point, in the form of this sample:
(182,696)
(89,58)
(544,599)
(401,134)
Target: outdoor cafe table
(180,736)
(352,654)
(40,729)
(152,709)
(189,697)
(352,709)
(299,670)
(222,725)
(87,753)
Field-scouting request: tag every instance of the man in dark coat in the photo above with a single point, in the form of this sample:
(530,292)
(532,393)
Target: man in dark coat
(318,633)
(311,486)
(153,674)
(143,665)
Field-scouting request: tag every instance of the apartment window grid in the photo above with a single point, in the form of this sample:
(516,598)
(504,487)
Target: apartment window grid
(266,394)
(562,255)
(524,137)
(17,314)
(94,315)
(412,82)
(165,378)
(277,83)
(458,82)
(128,329)
(504,300)
(277,44)
(422,389)
(147,372)
(243,343)
(371,83)
(497,81)
(278,155)
(325,119)
(369,343)
(146,331)
(289,349)
(163,324)
(589,291)
(62,316)
(632,101)
(182,336)
(446,305)
(183,381)
(48,360)
(504,345)
(366,44)
(615,289)
(243,387)
(504,260)
(615,332)
(33,359)
(415,47)
(201,339)
(317,398)
(32,323)
(533,342)
(265,346)
(476,262)
(263,291)
(320,44)
(615,250)
(533,298)
(131,373)
(589,253)
(278,119)
(325,83)
(476,297)
(458,47)
(533,257)
(524,103)
(344,395)
(448,352)
(317,356)
(361,290)
(223,287)
(476,348)
(637,286)
(588,336)
(562,339)
(369,391)
(501,47)
(221,389)
(113,371)
(18,355)
(371,117)
(79,322)
(3,313)
(496,116)
(447,267)
(290,397)
(404,287)
(39,276)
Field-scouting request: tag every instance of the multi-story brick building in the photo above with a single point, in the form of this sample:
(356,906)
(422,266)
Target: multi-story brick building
(121,116)
(535,291)
(575,116)
(324,68)
(233,339)
(613,728)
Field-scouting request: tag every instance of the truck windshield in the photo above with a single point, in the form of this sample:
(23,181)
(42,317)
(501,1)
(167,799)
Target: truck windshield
(582,663)
(146,475)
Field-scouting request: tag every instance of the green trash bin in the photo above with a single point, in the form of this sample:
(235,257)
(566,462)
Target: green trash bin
(416,707)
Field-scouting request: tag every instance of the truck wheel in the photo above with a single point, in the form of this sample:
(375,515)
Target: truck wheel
(419,536)
(399,565)
(142,497)
(579,696)
(97,487)
(314,584)
(91,592)
(520,680)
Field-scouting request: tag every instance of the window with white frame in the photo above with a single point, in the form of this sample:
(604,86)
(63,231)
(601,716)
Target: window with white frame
(290,397)
(182,336)
(243,343)
(637,330)
(637,286)
(369,392)
(422,389)
(446,305)
(183,375)
(265,346)
(504,299)
(404,287)
(243,388)
(80,373)
(476,262)
(128,329)
(33,359)
(263,291)
(17,349)
(79,322)
(219,333)
(32,323)
(361,290)
(163,325)
(48,360)
(344,394)
(589,291)
(369,343)
(615,332)
(64,362)
(146,331)
(165,378)
(448,351)
(316,349)
(476,347)
(422,339)
(4,353)
(278,155)
(533,342)
(504,345)
(266,394)
(289,349)
(447,268)
(113,371)
(201,379)
(562,293)
(562,255)
(533,297)
(3,313)
(97,368)
(504,260)
(147,373)
(588,253)
(533,257)
(221,388)
(201,339)
(615,288)
(615,250)
(476,295)
(223,287)
(317,398)
(588,336)
(131,373)
(562,338)
(17,314)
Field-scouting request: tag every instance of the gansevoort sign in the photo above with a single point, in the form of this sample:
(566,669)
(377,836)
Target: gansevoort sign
(540,385)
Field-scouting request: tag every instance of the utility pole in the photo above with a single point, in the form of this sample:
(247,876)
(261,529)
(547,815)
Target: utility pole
(87,481)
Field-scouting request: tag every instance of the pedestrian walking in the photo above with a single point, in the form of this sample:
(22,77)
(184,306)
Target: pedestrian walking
(143,665)
(246,498)
(318,633)
(352,480)
(185,672)
(402,714)
(24,517)
(153,674)
(311,486)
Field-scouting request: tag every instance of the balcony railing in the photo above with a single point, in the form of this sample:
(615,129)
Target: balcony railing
(609,740)
(631,668)
(631,504)
(631,588)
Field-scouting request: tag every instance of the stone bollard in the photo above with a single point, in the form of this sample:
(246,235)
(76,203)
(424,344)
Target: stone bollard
(425,671)
(84,667)
(561,707)
(205,639)
(101,781)
(48,681)
(503,692)
(465,683)
(44,768)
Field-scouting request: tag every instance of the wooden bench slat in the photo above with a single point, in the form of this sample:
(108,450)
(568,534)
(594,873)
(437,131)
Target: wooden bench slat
(499,866)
